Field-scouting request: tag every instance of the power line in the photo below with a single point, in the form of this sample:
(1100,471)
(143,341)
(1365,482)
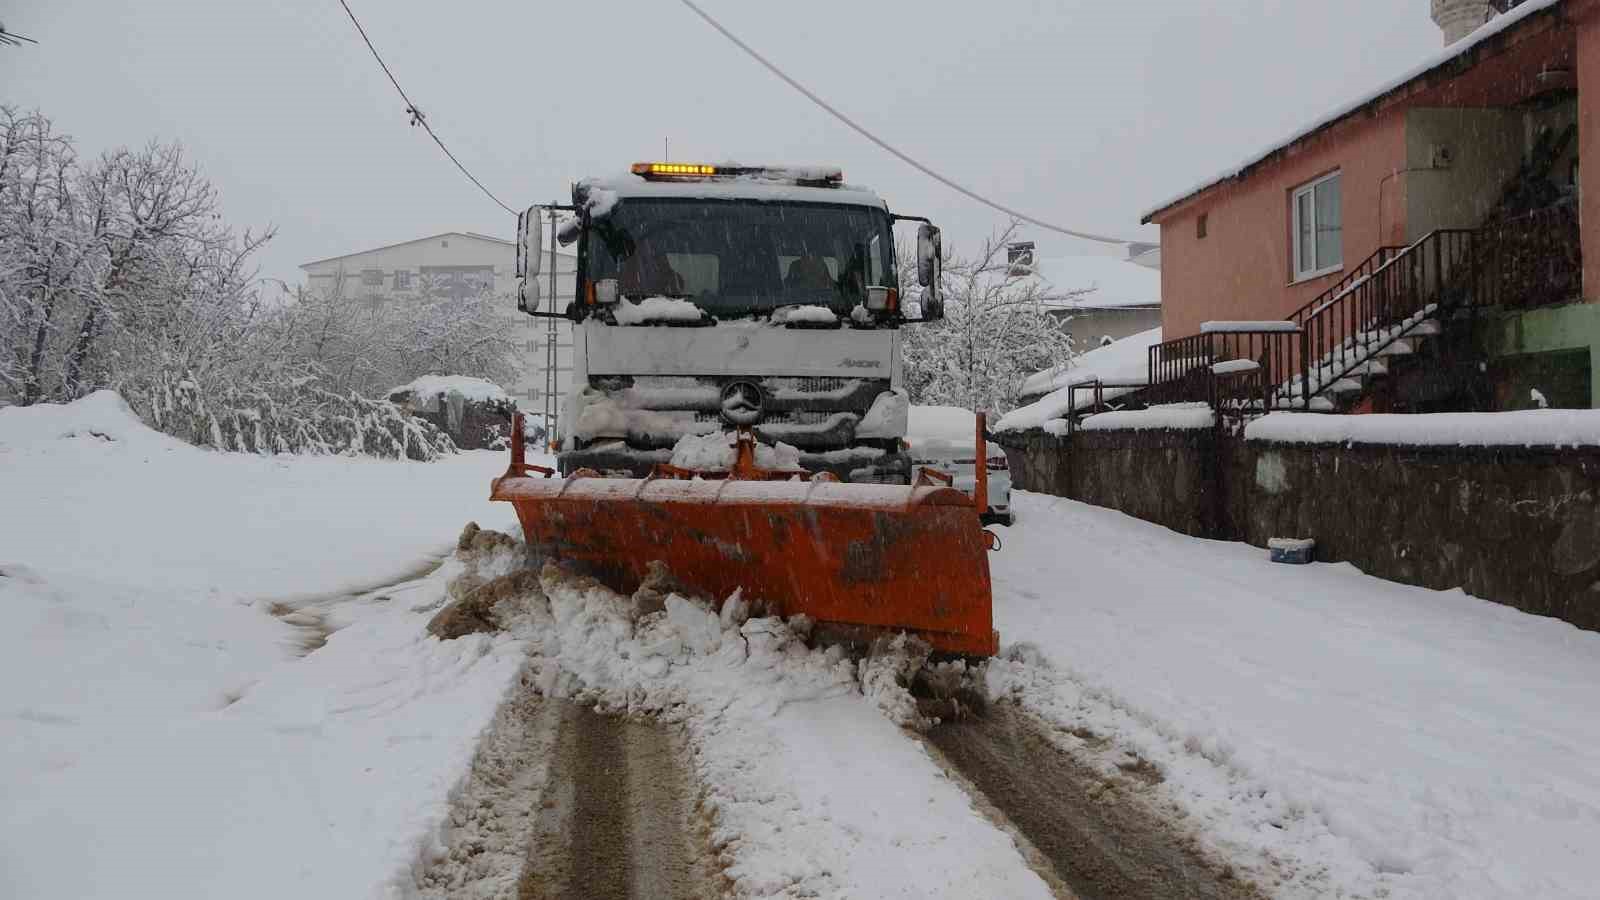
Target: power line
(417,118)
(12,39)
(1088,236)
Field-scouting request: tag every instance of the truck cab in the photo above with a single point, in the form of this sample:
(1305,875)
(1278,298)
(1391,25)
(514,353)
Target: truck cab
(714,296)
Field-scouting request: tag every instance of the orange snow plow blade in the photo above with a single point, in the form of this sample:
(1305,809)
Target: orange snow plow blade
(861,558)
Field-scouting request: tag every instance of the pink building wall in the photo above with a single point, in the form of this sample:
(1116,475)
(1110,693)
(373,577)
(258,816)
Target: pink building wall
(1241,268)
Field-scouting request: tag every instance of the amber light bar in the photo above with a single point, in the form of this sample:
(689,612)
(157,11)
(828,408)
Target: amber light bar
(815,177)
(663,168)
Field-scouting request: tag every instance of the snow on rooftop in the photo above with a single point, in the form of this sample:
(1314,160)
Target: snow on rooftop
(1112,282)
(1120,362)
(476,390)
(745,187)
(1493,27)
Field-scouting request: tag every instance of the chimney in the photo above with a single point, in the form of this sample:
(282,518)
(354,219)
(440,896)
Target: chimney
(1019,257)
(1459,18)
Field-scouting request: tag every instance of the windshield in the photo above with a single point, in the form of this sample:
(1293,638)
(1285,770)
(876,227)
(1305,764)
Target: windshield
(739,258)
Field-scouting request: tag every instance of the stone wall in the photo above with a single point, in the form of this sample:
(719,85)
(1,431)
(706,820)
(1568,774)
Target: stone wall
(1166,476)
(1520,526)
(1516,525)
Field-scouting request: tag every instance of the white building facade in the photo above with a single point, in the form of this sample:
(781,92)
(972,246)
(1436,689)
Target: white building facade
(462,264)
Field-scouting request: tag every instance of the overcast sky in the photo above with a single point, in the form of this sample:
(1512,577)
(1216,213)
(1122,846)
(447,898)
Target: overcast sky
(1081,112)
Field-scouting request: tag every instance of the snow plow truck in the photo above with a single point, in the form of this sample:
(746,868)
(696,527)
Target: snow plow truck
(737,407)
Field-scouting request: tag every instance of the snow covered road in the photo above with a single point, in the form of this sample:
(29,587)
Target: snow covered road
(163,731)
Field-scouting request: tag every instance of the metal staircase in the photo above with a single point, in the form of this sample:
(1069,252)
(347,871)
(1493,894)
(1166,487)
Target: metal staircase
(1327,354)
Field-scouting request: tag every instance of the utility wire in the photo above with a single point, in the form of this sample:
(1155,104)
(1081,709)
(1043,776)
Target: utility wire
(12,39)
(1088,236)
(417,118)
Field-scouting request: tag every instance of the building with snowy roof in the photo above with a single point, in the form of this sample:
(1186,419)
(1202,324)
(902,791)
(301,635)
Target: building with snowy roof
(461,263)
(1103,298)
(1440,219)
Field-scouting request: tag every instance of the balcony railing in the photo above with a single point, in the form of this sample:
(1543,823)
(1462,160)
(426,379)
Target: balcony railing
(1525,261)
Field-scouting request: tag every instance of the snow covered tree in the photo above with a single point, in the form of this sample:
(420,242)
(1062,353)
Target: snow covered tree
(121,273)
(1001,325)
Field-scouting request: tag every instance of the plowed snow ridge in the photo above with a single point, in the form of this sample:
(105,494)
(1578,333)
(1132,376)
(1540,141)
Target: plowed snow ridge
(812,791)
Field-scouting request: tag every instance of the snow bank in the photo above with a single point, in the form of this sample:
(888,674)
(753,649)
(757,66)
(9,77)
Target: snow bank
(89,489)
(1521,428)
(474,390)
(655,309)
(1336,734)
(812,790)
(1125,362)
(164,736)
(1172,415)
(715,452)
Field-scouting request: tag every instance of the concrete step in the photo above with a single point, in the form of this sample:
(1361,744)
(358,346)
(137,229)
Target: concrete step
(1372,368)
(1425,328)
(1398,348)
(1346,386)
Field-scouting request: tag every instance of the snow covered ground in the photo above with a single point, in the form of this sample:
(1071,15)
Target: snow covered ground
(1372,736)
(165,733)
(160,735)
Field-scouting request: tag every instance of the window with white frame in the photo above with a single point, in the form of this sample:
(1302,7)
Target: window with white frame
(372,278)
(1318,214)
(402,280)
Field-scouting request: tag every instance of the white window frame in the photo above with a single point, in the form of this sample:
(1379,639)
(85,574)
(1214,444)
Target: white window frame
(1309,189)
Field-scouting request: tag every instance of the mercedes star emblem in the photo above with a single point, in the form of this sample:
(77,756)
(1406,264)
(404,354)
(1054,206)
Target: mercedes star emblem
(742,403)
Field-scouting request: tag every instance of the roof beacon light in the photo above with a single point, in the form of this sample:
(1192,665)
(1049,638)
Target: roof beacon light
(658,169)
(811,176)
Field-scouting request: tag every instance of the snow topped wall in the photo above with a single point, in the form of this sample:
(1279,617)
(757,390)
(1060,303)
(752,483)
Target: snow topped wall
(1172,415)
(1523,428)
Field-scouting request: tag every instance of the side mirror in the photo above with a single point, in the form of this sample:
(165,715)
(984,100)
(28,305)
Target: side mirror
(930,271)
(522,236)
(528,296)
(530,227)
(930,253)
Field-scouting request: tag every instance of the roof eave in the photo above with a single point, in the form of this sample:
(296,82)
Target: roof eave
(1467,59)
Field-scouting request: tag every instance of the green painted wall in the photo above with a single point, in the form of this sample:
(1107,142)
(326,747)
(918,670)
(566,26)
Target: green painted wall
(1549,343)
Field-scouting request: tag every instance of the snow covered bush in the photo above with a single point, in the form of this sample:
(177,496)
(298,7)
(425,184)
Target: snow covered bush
(120,272)
(1001,325)
(285,417)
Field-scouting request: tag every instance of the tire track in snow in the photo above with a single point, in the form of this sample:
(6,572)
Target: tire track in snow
(565,802)
(1098,839)
(615,821)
